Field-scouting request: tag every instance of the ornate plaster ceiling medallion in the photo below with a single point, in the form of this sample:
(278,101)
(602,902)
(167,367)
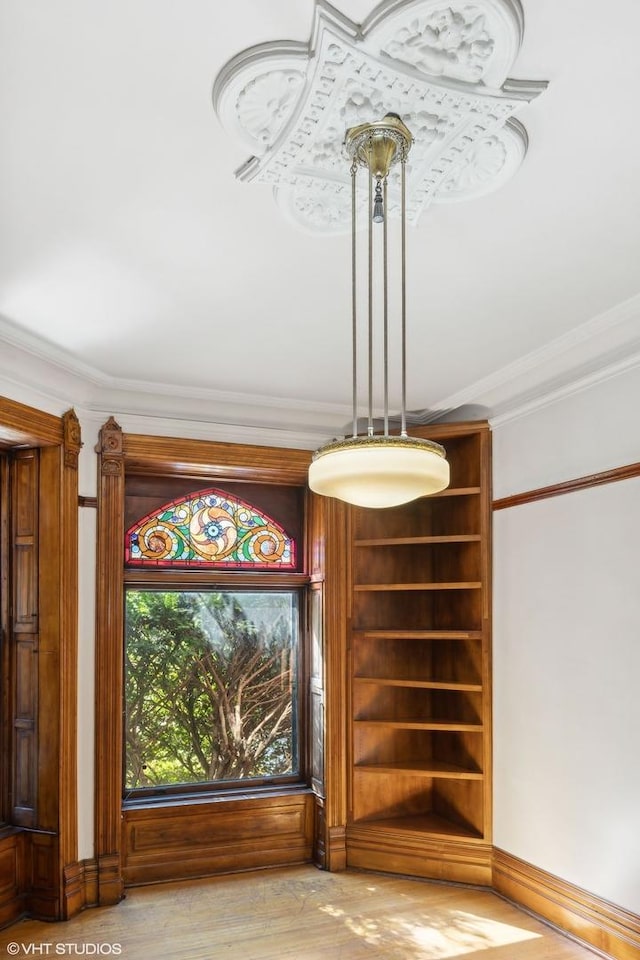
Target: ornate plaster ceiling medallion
(439,64)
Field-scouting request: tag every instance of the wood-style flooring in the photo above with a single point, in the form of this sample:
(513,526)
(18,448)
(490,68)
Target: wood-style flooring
(298,913)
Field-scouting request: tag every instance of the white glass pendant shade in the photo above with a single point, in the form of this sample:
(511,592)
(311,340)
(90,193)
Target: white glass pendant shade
(379,471)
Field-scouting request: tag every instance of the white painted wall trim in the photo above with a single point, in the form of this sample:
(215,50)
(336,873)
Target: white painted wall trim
(604,347)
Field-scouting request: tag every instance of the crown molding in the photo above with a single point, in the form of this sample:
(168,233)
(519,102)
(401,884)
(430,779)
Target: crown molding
(54,378)
(577,385)
(603,347)
(32,370)
(43,349)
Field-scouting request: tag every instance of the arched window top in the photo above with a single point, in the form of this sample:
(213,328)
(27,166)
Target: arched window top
(209,529)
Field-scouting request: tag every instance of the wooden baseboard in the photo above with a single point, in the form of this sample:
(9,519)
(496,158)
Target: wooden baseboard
(80,887)
(602,925)
(370,847)
(109,884)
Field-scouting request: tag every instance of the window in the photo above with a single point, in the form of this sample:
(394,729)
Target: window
(212,653)
(210,685)
(210,527)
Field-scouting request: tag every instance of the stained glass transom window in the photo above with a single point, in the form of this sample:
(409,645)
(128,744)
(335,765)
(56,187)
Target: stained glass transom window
(209,528)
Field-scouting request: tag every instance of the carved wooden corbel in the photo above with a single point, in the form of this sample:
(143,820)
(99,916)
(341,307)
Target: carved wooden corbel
(72,439)
(110,448)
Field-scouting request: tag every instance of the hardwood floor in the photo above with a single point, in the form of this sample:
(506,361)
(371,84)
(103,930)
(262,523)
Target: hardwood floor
(298,913)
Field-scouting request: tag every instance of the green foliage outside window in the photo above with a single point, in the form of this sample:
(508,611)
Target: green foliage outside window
(210,686)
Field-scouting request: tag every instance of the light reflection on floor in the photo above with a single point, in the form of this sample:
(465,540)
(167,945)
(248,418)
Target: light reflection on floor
(452,933)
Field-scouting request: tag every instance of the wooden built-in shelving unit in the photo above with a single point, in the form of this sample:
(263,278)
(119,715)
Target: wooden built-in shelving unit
(419,654)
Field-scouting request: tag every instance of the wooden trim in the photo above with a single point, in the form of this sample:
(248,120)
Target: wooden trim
(20,424)
(486,526)
(88,502)
(68,654)
(125,454)
(188,580)
(171,456)
(598,923)
(109,680)
(334,617)
(569,486)
(44,855)
(370,847)
(447,431)
(80,886)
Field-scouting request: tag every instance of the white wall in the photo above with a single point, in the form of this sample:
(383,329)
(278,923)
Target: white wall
(567,644)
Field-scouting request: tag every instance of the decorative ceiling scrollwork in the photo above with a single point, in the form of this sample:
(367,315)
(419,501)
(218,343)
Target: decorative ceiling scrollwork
(440,64)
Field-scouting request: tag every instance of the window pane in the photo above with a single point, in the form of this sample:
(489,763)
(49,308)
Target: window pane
(210,686)
(210,528)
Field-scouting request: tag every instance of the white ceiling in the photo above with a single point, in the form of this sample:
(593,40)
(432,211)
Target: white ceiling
(127,244)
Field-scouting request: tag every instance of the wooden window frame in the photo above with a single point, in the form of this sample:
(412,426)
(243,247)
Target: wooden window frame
(234,581)
(118,859)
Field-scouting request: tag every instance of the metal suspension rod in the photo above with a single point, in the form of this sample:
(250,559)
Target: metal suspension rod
(370,219)
(385,295)
(403,415)
(354,325)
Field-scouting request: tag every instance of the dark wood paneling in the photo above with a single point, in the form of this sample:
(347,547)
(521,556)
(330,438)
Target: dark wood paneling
(6,718)
(198,840)
(25,639)
(43,900)
(12,875)
(51,639)
(40,495)
(597,922)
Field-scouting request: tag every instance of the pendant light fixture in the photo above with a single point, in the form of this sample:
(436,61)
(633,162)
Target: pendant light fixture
(379,470)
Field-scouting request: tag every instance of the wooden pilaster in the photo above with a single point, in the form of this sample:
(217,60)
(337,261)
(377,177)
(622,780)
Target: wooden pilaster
(109,674)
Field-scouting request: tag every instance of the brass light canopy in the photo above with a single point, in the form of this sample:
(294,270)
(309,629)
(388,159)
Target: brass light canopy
(378,145)
(378,470)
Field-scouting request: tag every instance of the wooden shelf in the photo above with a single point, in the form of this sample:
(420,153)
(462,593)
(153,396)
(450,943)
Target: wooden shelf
(402,541)
(422,684)
(419,724)
(419,634)
(419,656)
(421,768)
(455,492)
(458,585)
(426,824)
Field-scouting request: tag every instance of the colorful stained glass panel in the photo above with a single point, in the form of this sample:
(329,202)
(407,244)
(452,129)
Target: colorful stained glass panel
(209,528)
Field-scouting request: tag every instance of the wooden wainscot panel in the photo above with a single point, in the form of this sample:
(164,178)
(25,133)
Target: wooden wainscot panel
(12,876)
(370,848)
(202,839)
(603,925)
(43,899)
